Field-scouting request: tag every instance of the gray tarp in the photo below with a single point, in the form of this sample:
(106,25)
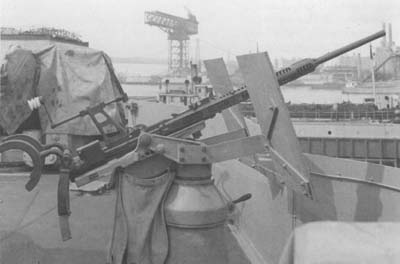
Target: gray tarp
(71,79)
(18,79)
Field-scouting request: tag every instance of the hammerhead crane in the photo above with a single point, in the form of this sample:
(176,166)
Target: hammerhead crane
(179,30)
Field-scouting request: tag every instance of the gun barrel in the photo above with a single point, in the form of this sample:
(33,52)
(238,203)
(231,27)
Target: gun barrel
(356,44)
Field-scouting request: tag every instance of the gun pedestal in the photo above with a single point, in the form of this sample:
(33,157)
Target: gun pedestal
(196,213)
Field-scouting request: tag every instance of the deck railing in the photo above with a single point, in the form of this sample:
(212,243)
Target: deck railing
(379,115)
(349,115)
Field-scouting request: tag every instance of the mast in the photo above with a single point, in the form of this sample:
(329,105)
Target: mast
(371,55)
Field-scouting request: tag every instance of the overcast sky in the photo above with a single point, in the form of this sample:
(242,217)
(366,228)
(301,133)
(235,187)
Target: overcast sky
(284,28)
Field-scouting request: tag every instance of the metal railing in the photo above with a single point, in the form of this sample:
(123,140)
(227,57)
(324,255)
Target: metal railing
(378,115)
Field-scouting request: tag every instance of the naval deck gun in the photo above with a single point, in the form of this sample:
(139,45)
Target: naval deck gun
(166,143)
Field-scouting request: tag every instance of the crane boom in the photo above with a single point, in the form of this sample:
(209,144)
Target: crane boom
(179,30)
(172,23)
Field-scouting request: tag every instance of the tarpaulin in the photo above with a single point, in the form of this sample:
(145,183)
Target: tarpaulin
(71,79)
(19,76)
(340,242)
(140,232)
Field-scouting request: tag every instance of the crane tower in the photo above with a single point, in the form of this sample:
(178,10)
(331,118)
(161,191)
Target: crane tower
(178,29)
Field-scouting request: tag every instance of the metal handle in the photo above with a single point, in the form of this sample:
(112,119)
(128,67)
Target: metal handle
(242,198)
(36,102)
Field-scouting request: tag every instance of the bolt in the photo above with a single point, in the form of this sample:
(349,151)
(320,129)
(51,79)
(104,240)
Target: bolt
(160,148)
(203,149)
(284,165)
(204,159)
(182,149)
(145,140)
(182,159)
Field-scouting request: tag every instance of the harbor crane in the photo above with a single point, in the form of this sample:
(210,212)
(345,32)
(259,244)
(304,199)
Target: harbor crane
(179,30)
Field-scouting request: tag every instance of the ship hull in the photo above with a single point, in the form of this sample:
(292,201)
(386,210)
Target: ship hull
(343,190)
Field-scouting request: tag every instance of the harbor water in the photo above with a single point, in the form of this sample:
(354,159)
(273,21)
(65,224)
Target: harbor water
(292,94)
(140,69)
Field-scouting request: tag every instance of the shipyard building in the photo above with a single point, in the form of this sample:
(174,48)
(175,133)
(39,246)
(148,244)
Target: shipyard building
(34,39)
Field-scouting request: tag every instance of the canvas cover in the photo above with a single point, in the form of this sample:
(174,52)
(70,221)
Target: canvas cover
(140,232)
(69,79)
(19,75)
(340,242)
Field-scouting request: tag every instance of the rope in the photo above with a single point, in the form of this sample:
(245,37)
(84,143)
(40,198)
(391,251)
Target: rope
(34,103)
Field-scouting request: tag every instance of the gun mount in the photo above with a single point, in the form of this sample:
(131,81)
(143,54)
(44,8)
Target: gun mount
(98,159)
(205,109)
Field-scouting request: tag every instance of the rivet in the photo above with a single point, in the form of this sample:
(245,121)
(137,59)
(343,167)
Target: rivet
(160,148)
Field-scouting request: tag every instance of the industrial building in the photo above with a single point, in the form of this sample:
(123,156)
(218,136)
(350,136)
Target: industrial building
(37,38)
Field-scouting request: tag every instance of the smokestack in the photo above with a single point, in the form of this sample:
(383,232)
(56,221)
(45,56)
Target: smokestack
(384,37)
(389,35)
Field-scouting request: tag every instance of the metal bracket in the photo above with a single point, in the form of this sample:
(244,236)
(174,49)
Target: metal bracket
(274,120)
(287,171)
(237,148)
(240,133)
(194,152)
(94,112)
(97,110)
(107,169)
(190,130)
